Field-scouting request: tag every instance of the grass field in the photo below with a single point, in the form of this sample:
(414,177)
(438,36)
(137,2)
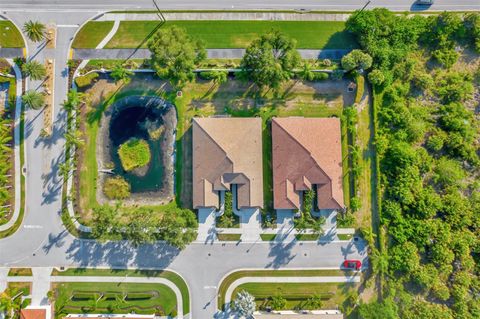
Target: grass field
(227,281)
(173,277)
(296,294)
(83,297)
(222,34)
(229,237)
(91,34)
(10,36)
(268,237)
(20,272)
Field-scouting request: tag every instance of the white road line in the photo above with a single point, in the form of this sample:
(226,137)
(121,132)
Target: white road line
(68,25)
(33,226)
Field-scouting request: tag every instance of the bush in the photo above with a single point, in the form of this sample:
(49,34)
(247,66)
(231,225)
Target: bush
(86,80)
(134,153)
(278,302)
(116,188)
(337,75)
(216,76)
(319,76)
(376,77)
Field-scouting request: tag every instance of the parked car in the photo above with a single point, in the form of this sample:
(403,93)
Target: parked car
(425,2)
(352,264)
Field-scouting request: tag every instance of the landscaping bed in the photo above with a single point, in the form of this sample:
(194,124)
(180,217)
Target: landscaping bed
(173,277)
(97,298)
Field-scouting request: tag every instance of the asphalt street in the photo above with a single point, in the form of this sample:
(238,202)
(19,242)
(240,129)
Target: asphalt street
(42,239)
(331,5)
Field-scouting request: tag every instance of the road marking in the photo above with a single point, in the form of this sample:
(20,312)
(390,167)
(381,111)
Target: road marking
(68,25)
(33,226)
(209,287)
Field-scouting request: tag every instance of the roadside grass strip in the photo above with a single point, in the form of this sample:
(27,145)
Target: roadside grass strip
(221,34)
(169,275)
(229,280)
(10,37)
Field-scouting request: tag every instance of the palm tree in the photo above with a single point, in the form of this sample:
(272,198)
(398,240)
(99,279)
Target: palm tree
(306,73)
(74,98)
(120,73)
(34,69)
(74,138)
(35,30)
(33,99)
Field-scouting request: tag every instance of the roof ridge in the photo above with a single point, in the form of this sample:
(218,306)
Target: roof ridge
(213,140)
(304,148)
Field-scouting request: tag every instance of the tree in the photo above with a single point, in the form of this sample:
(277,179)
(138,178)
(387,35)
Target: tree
(33,99)
(244,304)
(356,59)
(306,73)
(120,73)
(270,60)
(74,138)
(35,30)
(175,55)
(314,302)
(376,77)
(34,69)
(74,99)
(105,221)
(378,310)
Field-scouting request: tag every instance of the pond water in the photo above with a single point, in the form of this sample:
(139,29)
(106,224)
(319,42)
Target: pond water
(130,122)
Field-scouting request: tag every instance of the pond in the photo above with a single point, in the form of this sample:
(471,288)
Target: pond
(131,122)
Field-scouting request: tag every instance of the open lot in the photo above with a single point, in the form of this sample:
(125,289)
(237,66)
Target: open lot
(221,34)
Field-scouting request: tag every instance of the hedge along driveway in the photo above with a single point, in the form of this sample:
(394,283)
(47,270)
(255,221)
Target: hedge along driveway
(227,34)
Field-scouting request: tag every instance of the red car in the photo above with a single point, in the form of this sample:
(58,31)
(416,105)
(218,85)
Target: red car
(352,264)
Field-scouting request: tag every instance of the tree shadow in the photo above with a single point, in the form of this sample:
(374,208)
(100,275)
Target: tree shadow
(55,241)
(121,254)
(281,253)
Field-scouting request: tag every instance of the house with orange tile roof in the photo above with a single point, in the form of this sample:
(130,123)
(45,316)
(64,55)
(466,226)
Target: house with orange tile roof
(306,155)
(227,152)
(34,313)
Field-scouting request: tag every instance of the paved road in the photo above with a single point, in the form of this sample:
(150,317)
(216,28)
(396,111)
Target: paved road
(344,5)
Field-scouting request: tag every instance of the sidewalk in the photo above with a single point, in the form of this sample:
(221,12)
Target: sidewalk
(122,54)
(268,16)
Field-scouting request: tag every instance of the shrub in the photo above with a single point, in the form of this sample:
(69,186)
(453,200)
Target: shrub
(319,76)
(116,188)
(278,302)
(215,76)
(376,77)
(337,75)
(86,80)
(134,153)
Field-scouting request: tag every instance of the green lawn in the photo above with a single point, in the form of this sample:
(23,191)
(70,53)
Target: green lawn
(274,273)
(10,37)
(91,34)
(332,294)
(20,272)
(307,237)
(345,236)
(229,237)
(173,277)
(83,297)
(221,34)
(268,237)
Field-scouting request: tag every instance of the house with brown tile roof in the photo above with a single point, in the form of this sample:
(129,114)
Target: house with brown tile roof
(226,152)
(33,313)
(307,154)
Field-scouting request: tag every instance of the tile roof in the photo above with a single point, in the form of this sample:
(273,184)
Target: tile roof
(33,313)
(306,152)
(227,151)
